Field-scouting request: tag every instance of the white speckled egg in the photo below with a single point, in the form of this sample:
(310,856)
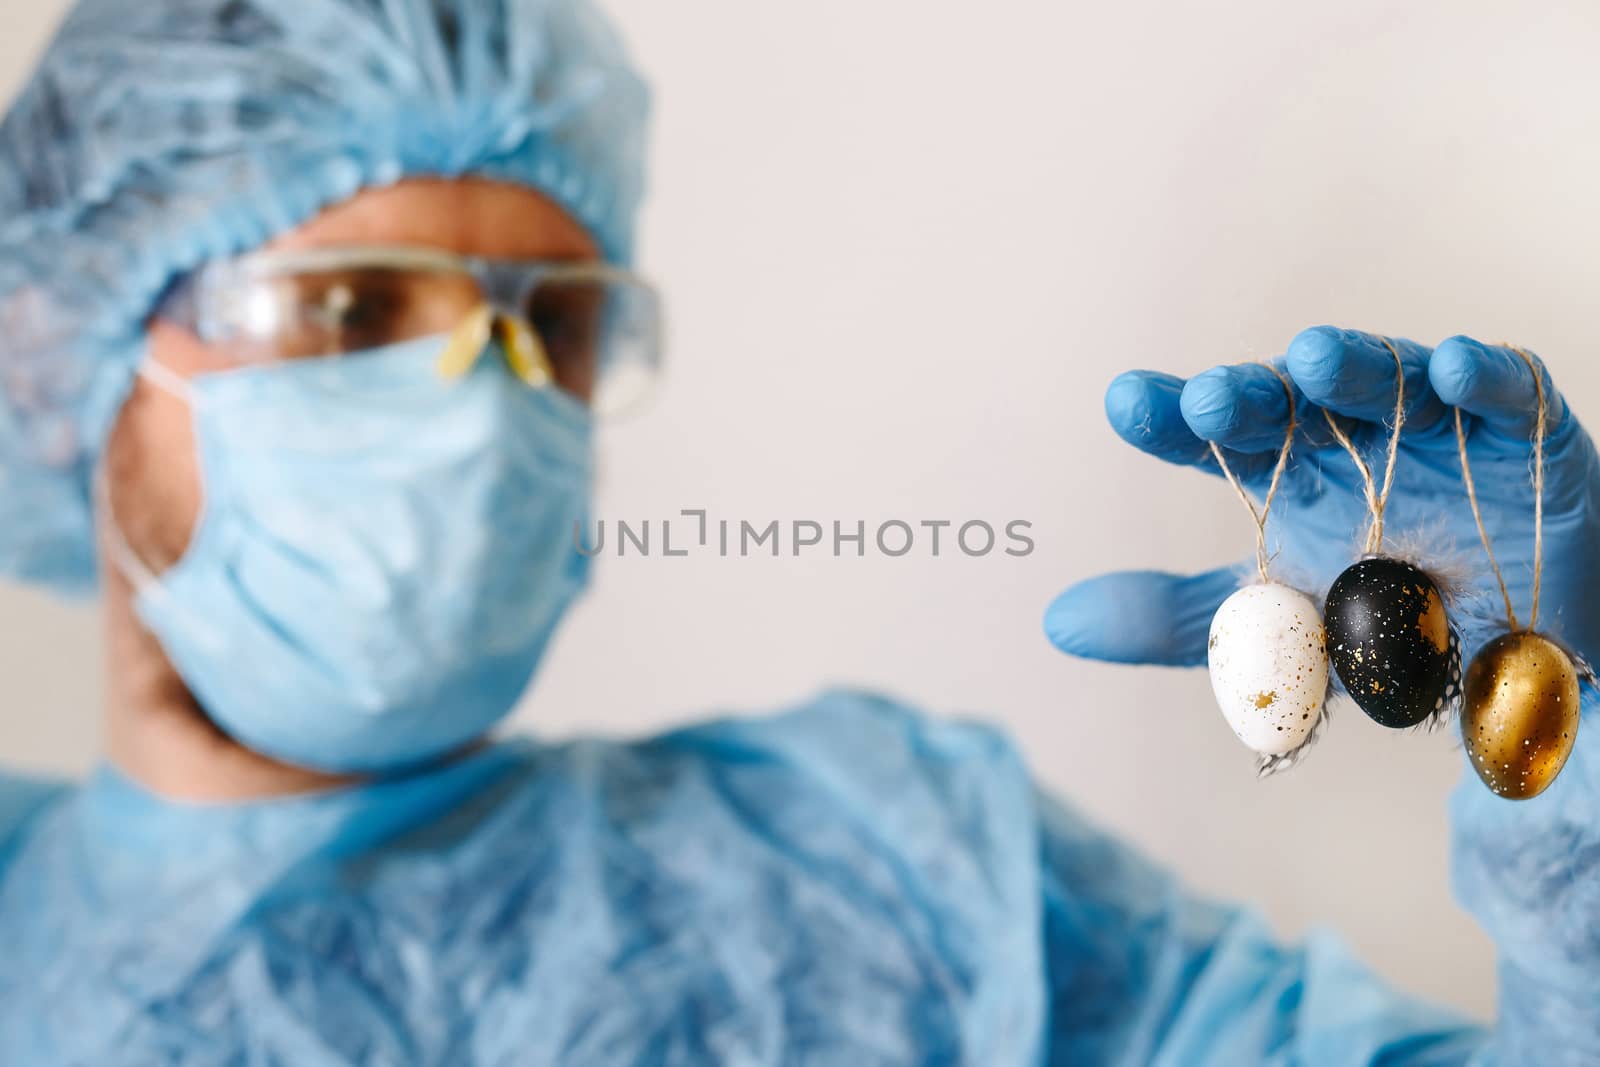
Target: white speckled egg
(1269,666)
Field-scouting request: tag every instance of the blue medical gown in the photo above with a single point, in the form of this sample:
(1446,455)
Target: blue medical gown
(848,883)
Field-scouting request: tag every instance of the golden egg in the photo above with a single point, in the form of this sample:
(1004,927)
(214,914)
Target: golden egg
(1520,715)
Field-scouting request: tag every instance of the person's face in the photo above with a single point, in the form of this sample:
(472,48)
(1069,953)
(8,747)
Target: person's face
(151,468)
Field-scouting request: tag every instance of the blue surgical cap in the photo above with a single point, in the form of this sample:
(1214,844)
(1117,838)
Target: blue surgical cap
(158,134)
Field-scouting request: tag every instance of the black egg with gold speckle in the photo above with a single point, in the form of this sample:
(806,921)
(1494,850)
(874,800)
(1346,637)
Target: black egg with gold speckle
(1391,642)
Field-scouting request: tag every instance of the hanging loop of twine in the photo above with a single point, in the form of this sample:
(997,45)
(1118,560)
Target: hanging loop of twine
(1377,496)
(1259,517)
(1541,415)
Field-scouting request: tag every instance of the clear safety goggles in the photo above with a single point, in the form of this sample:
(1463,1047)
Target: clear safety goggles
(592,329)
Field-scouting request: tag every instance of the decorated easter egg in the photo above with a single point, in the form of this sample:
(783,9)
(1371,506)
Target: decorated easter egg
(1519,717)
(1269,666)
(1391,642)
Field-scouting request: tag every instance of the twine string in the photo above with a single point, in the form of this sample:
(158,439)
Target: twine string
(1377,496)
(1541,414)
(1477,517)
(1538,484)
(1259,517)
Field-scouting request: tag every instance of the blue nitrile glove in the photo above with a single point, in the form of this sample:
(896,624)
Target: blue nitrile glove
(1529,870)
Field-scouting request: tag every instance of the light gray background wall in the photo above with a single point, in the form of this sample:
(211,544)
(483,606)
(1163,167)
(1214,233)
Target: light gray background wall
(906,245)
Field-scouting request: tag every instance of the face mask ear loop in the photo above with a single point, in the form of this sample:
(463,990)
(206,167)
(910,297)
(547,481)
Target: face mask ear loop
(167,380)
(121,554)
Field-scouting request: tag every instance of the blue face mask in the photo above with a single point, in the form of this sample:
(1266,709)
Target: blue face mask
(382,556)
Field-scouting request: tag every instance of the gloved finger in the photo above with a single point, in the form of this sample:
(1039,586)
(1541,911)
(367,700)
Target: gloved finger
(1140,616)
(1353,373)
(1495,384)
(1145,409)
(1242,407)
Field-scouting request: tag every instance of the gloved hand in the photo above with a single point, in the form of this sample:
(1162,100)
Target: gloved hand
(1529,870)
